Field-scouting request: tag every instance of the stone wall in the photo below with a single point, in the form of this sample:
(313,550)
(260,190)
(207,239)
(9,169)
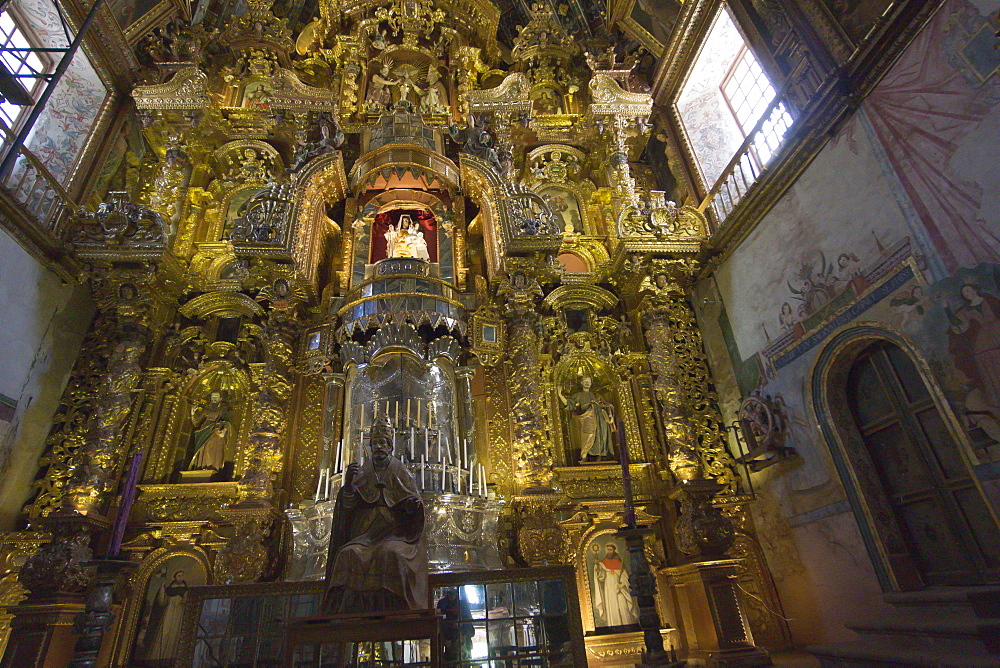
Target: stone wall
(43,323)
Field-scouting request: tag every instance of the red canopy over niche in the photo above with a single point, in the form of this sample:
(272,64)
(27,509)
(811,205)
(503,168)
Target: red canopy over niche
(428,225)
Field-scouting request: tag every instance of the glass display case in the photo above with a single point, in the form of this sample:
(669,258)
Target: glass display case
(509,618)
(486,619)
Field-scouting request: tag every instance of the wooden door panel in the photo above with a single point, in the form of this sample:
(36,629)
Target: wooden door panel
(952,536)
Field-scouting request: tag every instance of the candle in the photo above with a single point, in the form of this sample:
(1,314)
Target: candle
(440,459)
(413,437)
(465,452)
(129,489)
(427,441)
(407,410)
(397,415)
(319,485)
(482,480)
(423,480)
(418,412)
(362,425)
(328,484)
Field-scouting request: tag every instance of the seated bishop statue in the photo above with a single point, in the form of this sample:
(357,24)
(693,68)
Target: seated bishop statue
(378,555)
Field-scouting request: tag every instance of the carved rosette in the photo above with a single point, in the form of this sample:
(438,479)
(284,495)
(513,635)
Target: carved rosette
(269,409)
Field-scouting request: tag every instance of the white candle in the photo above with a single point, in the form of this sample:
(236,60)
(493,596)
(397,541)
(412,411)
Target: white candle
(328,484)
(423,480)
(397,415)
(465,452)
(418,413)
(407,410)
(427,441)
(413,437)
(482,480)
(440,460)
(319,485)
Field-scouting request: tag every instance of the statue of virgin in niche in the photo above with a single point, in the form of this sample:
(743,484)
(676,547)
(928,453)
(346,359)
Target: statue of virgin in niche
(406,240)
(592,422)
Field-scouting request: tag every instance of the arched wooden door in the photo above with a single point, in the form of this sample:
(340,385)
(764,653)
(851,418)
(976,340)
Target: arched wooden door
(947,527)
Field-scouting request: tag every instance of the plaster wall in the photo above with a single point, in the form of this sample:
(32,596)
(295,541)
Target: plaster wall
(894,217)
(44,322)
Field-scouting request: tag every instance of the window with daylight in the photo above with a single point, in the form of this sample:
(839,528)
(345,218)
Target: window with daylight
(19,60)
(725,96)
(748,94)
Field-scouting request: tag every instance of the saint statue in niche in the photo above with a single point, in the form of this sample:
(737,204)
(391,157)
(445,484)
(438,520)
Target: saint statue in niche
(378,556)
(406,240)
(435,98)
(380,90)
(592,422)
(212,430)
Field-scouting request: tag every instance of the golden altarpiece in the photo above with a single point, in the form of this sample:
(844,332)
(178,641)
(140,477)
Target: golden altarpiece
(388,213)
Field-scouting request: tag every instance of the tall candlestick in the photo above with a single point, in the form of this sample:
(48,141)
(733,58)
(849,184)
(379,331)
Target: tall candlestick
(125,507)
(626,476)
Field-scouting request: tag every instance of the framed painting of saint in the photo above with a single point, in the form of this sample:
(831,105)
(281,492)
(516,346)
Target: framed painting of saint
(163,610)
(608,572)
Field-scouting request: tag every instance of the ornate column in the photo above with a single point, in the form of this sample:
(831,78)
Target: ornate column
(705,588)
(683,386)
(532,449)
(269,408)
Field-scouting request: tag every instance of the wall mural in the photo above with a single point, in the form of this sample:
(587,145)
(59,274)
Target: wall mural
(955,322)
(939,284)
(127,12)
(64,125)
(934,114)
(856,18)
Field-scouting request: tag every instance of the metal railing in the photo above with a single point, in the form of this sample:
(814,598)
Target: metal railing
(751,159)
(33,187)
